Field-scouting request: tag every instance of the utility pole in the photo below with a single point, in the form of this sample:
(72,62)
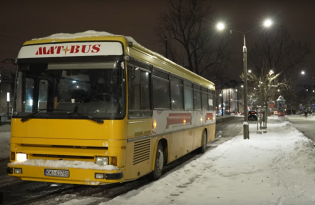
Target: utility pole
(1,69)
(1,77)
(230,101)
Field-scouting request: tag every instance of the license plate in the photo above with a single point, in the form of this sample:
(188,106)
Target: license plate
(57,173)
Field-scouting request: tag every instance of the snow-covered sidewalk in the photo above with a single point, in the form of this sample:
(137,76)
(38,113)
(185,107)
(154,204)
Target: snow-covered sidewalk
(272,168)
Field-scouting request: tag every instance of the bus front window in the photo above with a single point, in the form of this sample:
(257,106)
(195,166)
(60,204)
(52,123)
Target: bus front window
(61,90)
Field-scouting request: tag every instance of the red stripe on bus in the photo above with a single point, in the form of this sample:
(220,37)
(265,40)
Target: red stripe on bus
(178,118)
(210,116)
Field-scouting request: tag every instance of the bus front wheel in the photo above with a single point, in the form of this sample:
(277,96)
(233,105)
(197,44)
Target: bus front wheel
(159,162)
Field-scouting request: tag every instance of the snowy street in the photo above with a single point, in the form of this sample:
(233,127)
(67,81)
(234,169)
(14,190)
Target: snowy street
(276,167)
(272,168)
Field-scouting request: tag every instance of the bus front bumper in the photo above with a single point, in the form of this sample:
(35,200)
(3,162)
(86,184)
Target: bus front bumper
(70,175)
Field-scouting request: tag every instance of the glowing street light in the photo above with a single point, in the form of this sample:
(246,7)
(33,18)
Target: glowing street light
(267,23)
(221,26)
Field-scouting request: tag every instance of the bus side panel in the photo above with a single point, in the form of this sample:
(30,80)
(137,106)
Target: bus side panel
(138,128)
(197,137)
(176,145)
(139,148)
(139,158)
(188,140)
(211,132)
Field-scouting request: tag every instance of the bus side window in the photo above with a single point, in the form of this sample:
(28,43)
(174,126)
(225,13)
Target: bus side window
(204,103)
(188,96)
(139,92)
(177,94)
(161,93)
(210,100)
(197,98)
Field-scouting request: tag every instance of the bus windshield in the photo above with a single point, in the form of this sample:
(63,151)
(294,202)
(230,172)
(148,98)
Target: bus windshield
(70,90)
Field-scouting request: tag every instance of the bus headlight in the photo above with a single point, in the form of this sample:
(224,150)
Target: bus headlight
(21,157)
(102,161)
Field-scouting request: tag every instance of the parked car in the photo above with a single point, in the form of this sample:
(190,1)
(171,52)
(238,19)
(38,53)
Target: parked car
(252,115)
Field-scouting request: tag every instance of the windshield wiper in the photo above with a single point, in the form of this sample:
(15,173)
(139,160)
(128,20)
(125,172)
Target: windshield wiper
(99,121)
(38,111)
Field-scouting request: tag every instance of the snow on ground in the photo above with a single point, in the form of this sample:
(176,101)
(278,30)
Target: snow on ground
(273,168)
(4,141)
(63,164)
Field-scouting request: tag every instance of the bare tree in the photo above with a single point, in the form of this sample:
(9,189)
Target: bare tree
(274,55)
(276,50)
(186,32)
(265,87)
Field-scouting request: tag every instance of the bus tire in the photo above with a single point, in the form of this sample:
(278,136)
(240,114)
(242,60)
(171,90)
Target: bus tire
(159,162)
(203,147)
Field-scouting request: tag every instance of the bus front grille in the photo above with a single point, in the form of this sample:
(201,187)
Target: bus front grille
(41,156)
(61,152)
(141,151)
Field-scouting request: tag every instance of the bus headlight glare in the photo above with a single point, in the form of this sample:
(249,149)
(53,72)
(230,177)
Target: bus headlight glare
(21,157)
(102,161)
(17,170)
(99,176)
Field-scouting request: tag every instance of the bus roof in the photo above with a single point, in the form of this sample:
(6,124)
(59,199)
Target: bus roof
(100,35)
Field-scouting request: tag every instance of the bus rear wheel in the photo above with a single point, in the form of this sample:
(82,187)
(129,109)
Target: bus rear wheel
(203,147)
(159,162)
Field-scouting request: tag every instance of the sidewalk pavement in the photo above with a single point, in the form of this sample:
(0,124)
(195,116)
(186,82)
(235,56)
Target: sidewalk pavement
(5,127)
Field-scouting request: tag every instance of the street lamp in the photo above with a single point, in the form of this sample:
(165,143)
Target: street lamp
(221,26)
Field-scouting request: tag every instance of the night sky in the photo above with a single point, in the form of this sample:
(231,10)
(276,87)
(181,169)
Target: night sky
(25,20)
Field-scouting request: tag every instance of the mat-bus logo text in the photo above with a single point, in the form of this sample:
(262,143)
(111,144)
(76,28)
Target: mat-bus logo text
(72,49)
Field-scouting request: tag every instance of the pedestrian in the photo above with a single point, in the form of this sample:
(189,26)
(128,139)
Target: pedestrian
(305,112)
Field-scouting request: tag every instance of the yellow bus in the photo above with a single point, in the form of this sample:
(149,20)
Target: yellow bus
(95,108)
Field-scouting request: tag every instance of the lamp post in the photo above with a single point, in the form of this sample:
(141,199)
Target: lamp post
(221,26)
(221,96)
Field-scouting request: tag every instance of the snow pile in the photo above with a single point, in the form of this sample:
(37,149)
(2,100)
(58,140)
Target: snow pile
(89,33)
(273,168)
(64,164)
(4,144)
